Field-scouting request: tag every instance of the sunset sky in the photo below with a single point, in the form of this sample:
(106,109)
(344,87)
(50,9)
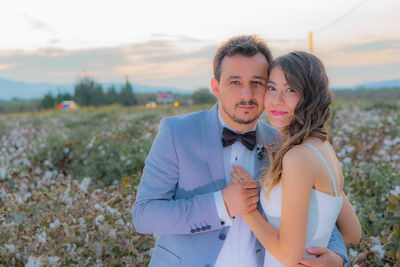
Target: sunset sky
(172,43)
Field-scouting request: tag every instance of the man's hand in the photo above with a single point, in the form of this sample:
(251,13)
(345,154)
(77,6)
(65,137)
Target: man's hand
(325,258)
(240,198)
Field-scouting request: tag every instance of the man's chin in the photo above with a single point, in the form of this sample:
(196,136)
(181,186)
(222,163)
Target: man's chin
(245,121)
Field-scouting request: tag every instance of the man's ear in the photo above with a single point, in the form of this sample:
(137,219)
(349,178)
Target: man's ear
(215,87)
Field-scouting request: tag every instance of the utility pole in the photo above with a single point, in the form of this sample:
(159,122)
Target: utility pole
(311,41)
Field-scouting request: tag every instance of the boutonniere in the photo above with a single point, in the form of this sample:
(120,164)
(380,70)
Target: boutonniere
(260,151)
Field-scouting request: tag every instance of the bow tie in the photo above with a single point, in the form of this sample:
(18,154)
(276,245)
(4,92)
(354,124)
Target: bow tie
(248,139)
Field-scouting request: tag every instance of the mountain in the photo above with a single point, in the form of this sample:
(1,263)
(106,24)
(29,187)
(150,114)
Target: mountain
(374,85)
(381,84)
(10,89)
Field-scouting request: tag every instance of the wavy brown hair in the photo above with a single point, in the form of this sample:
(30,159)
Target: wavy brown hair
(305,74)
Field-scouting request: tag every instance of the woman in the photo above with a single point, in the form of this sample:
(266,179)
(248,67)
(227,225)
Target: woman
(302,194)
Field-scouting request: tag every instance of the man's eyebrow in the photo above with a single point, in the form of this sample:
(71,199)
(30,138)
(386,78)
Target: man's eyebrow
(234,77)
(259,77)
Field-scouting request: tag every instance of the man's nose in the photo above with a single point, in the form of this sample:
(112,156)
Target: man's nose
(247,92)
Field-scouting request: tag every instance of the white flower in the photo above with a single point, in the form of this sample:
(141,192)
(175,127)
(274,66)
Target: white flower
(396,191)
(84,184)
(98,247)
(347,160)
(2,173)
(82,222)
(48,175)
(147,136)
(99,219)
(66,150)
(353,253)
(379,251)
(98,207)
(120,222)
(375,158)
(42,238)
(27,196)
(32,262)
(55,224)
(54,259)
(10,248)
(387,142)
(112,211)
(113,233)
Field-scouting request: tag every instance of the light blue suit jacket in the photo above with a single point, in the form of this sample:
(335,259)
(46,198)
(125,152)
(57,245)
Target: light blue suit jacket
(175,197)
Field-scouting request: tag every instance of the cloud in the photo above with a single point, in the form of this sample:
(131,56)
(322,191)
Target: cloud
(9,65)
(38,25)
(154,62)
(178,62)
(373,46)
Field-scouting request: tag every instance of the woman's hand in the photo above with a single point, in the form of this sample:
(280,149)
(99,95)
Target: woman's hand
(239,174)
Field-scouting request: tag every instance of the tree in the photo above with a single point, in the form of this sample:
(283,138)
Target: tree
(89,93)
(203,96)
(126,96)
(48,101)
(62,96)
(111,95)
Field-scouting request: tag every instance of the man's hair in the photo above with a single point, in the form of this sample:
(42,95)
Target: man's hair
(245,45)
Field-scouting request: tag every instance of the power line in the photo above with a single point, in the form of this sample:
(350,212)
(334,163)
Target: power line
(341,17)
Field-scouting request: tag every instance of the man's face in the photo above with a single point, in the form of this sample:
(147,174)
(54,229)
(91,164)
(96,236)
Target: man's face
(241,90)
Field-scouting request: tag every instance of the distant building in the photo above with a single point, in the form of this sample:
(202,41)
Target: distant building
(165,97)
(68,104)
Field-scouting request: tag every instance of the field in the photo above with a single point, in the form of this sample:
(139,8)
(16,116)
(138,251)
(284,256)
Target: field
(68,180)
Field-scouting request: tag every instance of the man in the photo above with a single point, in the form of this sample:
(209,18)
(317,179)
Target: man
(185,193)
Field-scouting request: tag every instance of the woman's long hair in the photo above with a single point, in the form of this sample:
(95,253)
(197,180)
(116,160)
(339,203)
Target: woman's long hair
(306,75)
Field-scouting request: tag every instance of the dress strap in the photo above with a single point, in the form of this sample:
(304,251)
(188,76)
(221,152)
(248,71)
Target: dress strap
(326,165)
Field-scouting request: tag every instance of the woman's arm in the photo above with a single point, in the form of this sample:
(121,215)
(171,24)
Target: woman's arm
(348,223)
(288,243)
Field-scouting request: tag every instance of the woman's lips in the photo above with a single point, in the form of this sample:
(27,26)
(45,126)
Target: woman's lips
(278,113)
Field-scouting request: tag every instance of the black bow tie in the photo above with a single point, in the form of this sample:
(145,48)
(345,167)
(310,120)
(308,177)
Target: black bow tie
(248,139)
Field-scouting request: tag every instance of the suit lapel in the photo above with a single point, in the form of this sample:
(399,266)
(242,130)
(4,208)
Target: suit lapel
(211,133)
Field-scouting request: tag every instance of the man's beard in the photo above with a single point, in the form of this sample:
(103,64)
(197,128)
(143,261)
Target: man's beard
(241,121)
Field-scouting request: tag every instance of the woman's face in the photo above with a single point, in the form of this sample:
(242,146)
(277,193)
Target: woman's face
(280,101)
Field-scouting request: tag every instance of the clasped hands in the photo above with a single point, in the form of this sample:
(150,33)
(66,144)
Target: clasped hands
(241,195)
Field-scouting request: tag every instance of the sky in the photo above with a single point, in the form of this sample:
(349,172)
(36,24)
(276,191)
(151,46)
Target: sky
(172,43)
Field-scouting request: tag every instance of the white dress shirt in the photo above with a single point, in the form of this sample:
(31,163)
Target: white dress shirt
(239,246)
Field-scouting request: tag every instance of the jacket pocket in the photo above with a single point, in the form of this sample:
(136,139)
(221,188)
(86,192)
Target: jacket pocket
(164,257)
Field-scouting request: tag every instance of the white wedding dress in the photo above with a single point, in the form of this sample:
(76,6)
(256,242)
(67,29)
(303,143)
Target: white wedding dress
(322,214)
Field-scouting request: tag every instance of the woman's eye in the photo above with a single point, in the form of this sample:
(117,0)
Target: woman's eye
(290,90)
(270,88)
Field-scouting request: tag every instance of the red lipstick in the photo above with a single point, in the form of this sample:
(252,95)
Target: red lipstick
(278,112)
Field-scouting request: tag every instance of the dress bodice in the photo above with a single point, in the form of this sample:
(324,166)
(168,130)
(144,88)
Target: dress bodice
(323,211)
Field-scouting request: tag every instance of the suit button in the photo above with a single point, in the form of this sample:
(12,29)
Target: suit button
(221,236)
